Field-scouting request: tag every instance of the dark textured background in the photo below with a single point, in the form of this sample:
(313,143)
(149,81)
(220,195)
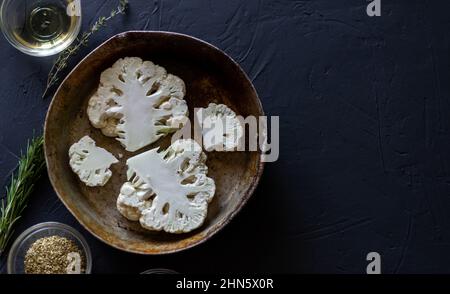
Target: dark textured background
(365,132)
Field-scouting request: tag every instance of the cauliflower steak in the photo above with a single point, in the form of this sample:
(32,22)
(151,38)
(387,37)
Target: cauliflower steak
(138,102)
(168,190)
(221,129)
(91,163)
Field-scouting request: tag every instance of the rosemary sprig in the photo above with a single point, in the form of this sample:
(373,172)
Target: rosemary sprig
(62,60)
(31,165)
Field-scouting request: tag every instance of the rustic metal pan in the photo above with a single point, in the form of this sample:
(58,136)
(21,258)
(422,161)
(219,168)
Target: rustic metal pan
(210,76)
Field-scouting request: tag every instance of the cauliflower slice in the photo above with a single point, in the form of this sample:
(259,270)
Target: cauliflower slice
(168,190)
(91,163)
(138,102)
(221,129)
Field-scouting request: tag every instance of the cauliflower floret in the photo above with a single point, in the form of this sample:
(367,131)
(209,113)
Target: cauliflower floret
(91,163)
(168,190)
(138,102)
(221,129)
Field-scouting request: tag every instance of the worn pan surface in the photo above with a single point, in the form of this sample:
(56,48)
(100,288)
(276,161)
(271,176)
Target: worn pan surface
(210,76)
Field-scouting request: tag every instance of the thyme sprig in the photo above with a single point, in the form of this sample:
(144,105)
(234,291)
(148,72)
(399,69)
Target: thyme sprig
(30,167)
(62,60)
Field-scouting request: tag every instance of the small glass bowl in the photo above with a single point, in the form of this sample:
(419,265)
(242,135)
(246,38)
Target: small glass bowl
(16,17)
(159,271)
(29,236)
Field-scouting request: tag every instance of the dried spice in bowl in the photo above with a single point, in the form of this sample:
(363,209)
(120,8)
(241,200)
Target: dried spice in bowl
(54,255)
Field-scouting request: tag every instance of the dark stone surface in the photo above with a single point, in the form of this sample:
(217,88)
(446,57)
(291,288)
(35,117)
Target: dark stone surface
(363,105)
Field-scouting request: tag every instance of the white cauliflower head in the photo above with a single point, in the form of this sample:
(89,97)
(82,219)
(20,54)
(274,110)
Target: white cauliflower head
(91,163)
(221,129)
(168,190)
(138,102)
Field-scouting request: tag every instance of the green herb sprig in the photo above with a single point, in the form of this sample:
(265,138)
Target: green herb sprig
(62,60)
(31,165)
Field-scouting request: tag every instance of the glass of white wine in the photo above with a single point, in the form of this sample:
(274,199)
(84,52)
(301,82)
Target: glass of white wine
(40,27)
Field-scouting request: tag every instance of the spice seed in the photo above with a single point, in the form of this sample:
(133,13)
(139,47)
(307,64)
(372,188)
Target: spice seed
(48,255)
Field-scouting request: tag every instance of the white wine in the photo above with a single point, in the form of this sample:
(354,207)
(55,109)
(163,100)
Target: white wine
(41,27)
